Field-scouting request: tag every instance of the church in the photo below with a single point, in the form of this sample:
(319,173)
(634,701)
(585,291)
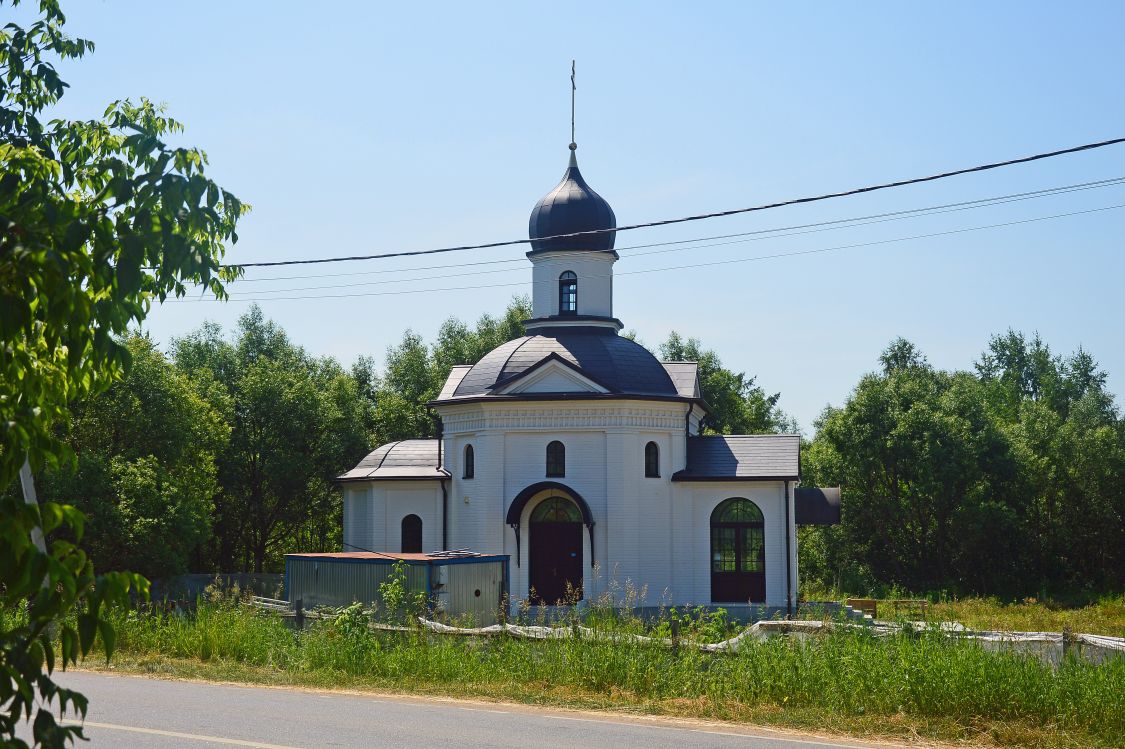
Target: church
(583,458)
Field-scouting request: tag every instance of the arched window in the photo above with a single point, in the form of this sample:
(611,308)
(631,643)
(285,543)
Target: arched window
(652,461)
(411,535)
(568,293)
(470,467)
(556,510)
(738,552)
(556,459)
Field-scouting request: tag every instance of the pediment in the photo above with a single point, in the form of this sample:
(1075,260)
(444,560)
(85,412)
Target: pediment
(552,374)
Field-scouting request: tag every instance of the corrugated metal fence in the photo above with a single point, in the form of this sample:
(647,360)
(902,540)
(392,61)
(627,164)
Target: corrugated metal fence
(472,588)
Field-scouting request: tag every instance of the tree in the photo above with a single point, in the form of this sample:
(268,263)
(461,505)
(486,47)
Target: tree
(97,219)
(296,423)
(1005,480)
(146,467)
(1069,441)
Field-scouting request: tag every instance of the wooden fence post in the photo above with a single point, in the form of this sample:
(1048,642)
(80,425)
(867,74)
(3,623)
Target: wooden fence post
(300,614)
(675,634)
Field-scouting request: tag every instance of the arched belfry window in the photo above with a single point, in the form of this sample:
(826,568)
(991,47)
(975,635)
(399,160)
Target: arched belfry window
(556,459)
(568,293)
(652,461)
(470,467)
(411,535)
(738,552)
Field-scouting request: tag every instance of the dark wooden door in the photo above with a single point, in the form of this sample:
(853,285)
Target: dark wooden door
(738,572)
(555,561)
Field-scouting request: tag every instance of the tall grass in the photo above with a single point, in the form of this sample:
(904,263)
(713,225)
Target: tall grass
(917,677)
(1104,615)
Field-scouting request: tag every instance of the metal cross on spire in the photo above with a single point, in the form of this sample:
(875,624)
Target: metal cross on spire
(573,88)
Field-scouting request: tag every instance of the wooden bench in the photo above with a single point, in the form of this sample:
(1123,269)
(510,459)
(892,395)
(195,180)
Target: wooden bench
(903,608)
(865,605)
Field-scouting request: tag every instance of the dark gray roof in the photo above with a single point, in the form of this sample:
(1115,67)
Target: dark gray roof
(617,364)
(406,459)
(572,206)
(734,457)
(816,506)
(685,376)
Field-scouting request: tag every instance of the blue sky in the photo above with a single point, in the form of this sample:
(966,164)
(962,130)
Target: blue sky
(358,127)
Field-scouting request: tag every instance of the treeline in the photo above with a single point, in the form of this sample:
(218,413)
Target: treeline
(219,455)
(216,456)
(1008,479)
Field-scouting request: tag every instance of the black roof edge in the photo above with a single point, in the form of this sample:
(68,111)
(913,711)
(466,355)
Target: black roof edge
(571,318)
(681,476)
(360,479)
(568,397)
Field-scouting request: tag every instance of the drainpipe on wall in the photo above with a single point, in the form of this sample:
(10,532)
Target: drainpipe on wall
(444,516)
(444,487)
(788,560)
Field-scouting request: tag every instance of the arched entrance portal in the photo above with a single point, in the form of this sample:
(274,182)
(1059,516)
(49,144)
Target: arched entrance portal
(555,557)
(738,552)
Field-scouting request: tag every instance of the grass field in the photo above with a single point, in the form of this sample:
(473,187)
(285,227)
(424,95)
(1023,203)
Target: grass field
(921,685)
(1105,617)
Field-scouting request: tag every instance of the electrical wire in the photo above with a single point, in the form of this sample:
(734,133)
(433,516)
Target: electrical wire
(703,216)
(670,268)
(744,237)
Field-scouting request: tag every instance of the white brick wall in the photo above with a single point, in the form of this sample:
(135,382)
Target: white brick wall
(373,514)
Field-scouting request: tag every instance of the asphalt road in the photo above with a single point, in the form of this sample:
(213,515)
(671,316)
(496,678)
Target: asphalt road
(128,711)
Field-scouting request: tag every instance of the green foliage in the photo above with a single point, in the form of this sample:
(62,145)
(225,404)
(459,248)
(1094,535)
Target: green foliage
(738,404)
(145,473)
(1003,481)
(97,219)
(399,603)
(296,422)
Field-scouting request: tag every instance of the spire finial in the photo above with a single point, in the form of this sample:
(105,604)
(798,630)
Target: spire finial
(573,88)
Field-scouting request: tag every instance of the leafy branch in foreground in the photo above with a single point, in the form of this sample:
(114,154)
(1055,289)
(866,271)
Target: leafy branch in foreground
(97,219)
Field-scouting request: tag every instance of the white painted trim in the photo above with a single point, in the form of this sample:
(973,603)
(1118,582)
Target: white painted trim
(530,381)
(597,416)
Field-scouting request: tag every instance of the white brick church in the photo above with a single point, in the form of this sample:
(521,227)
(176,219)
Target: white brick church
(581,456)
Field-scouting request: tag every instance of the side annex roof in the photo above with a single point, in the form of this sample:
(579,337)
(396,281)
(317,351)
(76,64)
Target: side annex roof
(685,377)
(742,457)
(453,380)
(406,460)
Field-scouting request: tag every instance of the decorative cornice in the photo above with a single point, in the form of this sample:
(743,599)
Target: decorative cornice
(591,418)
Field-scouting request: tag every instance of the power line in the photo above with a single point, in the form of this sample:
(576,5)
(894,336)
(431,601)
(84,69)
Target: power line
(744,237)
(702,216)
(670,268)
(522,261)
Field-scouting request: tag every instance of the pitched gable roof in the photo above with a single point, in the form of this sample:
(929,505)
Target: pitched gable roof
(567,378)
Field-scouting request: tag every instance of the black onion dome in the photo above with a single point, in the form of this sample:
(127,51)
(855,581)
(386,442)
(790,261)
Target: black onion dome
(571,207)
(618,364)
